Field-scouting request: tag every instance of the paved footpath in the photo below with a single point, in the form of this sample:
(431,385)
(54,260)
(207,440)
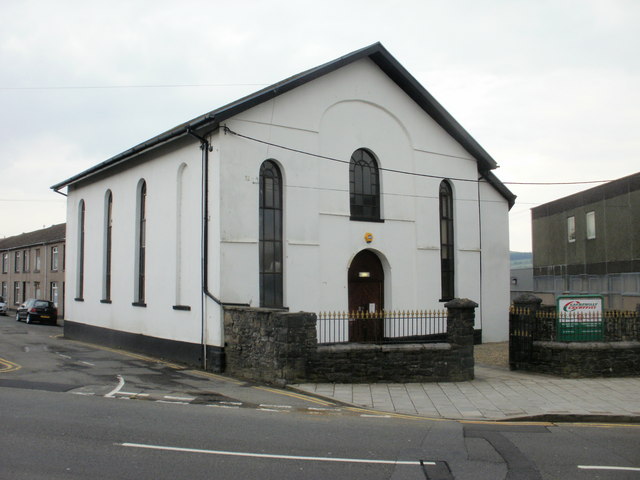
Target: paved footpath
(497,394)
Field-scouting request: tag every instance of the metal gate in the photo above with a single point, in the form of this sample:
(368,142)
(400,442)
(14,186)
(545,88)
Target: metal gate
(521,326)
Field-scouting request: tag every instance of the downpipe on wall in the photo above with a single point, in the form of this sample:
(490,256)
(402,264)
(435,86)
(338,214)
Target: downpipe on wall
(205,147)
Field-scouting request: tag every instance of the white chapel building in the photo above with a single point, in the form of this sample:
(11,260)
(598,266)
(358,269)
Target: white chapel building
(346,187)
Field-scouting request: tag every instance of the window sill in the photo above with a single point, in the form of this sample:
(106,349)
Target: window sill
(104,300)
(139,304)
(79,299)
(185,308)
(363,219)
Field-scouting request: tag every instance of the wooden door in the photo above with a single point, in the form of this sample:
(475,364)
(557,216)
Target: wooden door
(366,297)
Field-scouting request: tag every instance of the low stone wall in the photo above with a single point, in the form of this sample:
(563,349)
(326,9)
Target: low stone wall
(281,347)
(585,359)
(268,345)
(356,363)
(617,356)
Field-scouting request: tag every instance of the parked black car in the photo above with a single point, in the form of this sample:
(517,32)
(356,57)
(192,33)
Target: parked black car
(37,310)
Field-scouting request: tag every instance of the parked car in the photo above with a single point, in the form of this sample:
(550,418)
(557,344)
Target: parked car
(35,309)
(3,306)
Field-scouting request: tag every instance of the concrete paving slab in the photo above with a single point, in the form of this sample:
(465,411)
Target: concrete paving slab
(496,394)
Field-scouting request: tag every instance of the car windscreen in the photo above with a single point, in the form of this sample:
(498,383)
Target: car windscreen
(41,304)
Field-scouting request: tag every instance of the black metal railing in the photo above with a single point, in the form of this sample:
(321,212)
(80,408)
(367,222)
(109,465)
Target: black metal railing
(544,325)
(382,327)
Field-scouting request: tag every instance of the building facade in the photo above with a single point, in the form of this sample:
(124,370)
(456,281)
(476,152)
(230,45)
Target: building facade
(32,265)
(346,187)
(589,243)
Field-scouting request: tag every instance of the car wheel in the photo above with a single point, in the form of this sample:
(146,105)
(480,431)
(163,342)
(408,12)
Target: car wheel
(28,319)
(17,317)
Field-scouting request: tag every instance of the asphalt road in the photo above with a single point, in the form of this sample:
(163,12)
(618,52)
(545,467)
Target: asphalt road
(65,413)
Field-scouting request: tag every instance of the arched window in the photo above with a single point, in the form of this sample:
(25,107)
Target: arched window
(141,242)
(108,220)
(80,266)
(270,244)
(446,242)
(364,186)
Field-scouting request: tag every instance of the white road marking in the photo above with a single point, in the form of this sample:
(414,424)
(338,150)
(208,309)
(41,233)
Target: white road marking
(87,363)
(279,457)
(375,416)
(172,402)
(224,406)
(87,394)
(230,403)
(112,393)
(603,467)
(64,356)
(269,410)
(319,409)
(266,405)
(183,399)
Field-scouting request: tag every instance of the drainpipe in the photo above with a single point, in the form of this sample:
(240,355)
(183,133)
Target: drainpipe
(206,147)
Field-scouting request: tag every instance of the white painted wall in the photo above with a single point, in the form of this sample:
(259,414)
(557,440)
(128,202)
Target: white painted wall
(158,318)
(355,107)
(359,107)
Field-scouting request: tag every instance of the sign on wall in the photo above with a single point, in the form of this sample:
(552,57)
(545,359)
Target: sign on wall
(580,318)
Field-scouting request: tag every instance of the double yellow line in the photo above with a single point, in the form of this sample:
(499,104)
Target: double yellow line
(7,366)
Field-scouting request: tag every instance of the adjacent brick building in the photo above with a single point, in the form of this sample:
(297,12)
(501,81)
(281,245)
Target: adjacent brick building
(32,266)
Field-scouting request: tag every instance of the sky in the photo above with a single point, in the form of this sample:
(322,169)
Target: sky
(550,88)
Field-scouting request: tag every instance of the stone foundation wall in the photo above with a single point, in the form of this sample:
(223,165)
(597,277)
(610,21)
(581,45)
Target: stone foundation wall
(280,347)
(585,359)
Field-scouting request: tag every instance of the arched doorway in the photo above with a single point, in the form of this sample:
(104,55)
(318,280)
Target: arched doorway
(366,297)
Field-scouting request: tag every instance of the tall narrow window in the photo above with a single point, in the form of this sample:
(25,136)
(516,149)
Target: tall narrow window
(80,266)
(25,260)
(591,225)
(54,259)
(106,281)
(571,229)
(364,186)
(5,262)
(141,242)
(270,244)
(16,262)
(446,242)
(37,265)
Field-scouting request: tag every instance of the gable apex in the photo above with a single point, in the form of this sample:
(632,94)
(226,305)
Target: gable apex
(378,54)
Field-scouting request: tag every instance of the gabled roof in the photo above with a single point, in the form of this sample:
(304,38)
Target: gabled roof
(53,234)
(376,53)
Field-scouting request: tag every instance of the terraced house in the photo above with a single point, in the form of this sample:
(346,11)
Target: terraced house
(33,266)
(345,187)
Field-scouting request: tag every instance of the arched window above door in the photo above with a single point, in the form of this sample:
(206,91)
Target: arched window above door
(364,186)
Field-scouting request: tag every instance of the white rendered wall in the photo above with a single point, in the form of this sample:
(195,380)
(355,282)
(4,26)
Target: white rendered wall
(166,283)
(357,107)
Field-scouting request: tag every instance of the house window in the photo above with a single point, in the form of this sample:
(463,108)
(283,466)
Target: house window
(446,242)
(37,293)
(5,262)
(571,229)
(3,292)
(591,225)
(25,261)
(80,266)
(108,208)
(53,293)
(270,244)
(141,241)
(16,262)
(17,292)
(54,259)
(364,186)
(38,263)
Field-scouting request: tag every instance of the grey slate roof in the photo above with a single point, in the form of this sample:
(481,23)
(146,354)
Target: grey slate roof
(52,234)
(378,54)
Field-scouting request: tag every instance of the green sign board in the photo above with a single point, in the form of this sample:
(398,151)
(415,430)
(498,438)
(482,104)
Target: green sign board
(580,318)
